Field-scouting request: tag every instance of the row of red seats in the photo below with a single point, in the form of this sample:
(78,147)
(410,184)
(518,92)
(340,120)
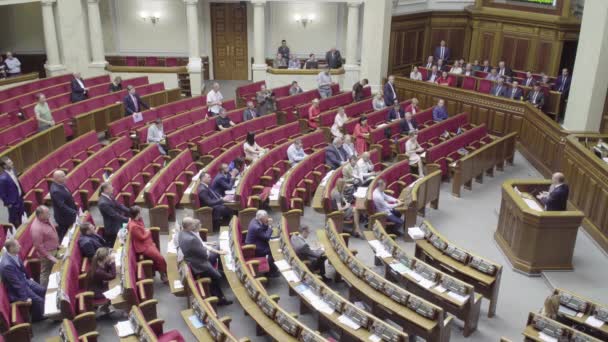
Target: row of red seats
(397,177)
(248,92)
(373,119)
(290,103)
(447,151)
(431,135)
(383,136)
(35,180)
(301,182)
(24,100)
(33,86)
(259,177)
(332,102)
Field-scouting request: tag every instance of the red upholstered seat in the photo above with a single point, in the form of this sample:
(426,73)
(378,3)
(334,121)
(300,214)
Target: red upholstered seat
(171,335)
(484,86)
(131,61)
(170,61)
(469,83)
(151,61)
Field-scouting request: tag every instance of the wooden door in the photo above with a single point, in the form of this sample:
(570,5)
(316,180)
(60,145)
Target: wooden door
(229,40)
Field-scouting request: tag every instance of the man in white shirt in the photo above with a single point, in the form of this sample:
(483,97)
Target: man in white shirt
(156,135)
(386,204)
(13,65)
(214,100)
(365,168)
(324,83)
(295,152)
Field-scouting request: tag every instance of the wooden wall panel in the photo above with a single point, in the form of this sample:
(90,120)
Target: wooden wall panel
(487,46)
(520,59)
(543,55)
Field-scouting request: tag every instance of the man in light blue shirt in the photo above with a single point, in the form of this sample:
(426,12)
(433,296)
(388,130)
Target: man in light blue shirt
(295,152)
(386,204)
(324,83)
(439,112)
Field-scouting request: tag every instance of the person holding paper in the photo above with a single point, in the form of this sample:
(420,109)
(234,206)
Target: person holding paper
(556,199)
(46,242)
(133,102)
(200,257)
(156,135)
(18,286)
(340,203)
(316,256)
(259,233)
(295,152)
(387,204)
(413,150)
(141,239)
(366,168)
(101,272)
(89,242)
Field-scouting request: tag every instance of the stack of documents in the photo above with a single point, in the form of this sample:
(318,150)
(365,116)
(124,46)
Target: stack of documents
(124,329)
(113,292)
(291,276)
(53,281)
(546,337)
(361,192)
(459,298)
(415,233)
(50,304)
(326,178)
(399,267)
(532,204)
(594,322)
(348,322)
(282,265)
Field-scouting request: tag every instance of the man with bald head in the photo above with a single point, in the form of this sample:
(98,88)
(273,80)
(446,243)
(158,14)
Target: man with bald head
(64,207)
(45,241)
(79,91)
(556,199)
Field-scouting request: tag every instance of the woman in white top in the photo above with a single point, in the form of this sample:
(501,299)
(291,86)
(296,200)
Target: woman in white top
(456,68)
(339,120)
(412,150)
(378,102)
(252,150)
(415,74)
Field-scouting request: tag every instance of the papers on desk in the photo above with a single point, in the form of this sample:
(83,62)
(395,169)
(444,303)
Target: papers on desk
(361,192)
(53,281)
(177,284)
(423,154)
(427,284)
(50,304)
(291,276)
(566,311)
(399,267)
(415,233)
(171,247)
(517,190)
(225,245)
(414,275)
(301,288)
(118,257)
(230,192)
(594,322)
(375,338)
(225,235)
(348,322)
(381,252)
(113,292)
(326,178)
(65,241)
(229,264)
(124,329)
(546,337)
(459,298)
(282,265)
(605,160)
(440,288)
(532,204)
(196,323)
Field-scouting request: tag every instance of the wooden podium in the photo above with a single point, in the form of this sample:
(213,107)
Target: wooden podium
(534,239)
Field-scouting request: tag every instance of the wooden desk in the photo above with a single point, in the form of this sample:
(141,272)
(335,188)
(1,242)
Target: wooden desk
(201,334)
(580,321)
(173,275)
(534,240)
(21,78)
(119,302)
(532,334)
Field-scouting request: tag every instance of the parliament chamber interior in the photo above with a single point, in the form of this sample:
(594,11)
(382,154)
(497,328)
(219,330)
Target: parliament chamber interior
(298,170)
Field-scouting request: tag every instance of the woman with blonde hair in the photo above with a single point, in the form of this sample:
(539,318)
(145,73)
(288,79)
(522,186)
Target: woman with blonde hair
(412,150)
(101,271)
(378,102)
(339,120)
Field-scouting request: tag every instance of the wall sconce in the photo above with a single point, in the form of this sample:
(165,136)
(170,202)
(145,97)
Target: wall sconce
(304,20)
(154,18)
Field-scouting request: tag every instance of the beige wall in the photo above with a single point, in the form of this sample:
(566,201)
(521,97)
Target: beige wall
(21,28)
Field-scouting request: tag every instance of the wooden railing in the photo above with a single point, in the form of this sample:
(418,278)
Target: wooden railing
(32,149)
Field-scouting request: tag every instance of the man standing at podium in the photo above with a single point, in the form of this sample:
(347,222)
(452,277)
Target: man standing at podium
(556,198)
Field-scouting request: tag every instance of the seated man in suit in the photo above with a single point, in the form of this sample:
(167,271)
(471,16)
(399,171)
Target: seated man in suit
(335,155)
(251,112)
(201,257)
(514,93)
(493,75)
(442,51)
(529,80)
(79,91)
(562,84)
(441,66)
(439,111)
(133,103)
(433,75)
(222,121)
(259,233)
(64,207)
(430,61)
(18,286)
(224,180)
(468,70)
(311,62)
(333,58)
(114,213)
(556,199)
(295,152)
(395,113)
(316,255)
(210,198)
(89,242)
(385,203)
(503,70)
(295,88)
(536,96)
(390,95)
(486,67)
(408,124)
(499,88)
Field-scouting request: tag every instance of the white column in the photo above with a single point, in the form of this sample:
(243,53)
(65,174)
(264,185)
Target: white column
(590,76)
(96,36)
(351,67)
(53,61)
(73,38)
(375,41)
(259,26)
(195,65)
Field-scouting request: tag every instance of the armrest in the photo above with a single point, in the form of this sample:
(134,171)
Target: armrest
(145,269)
(85,322)
(275,298)
(157,325)
(226,320)
(24,311)
(148,308)
(83,299)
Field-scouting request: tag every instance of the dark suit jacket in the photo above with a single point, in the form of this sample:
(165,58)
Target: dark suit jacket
(78,92)
(14,279)
(221,183)
(560,81)
(114,214)
(248,114)
(540,99)
(334,156)
(508,72)
(89,244)
(393,114)
(496,92)
(518,94)
(64,207)
(430,74)
(333,60)
(9,193)
(130,106)
(405,128)
(528,82)
(195,253)
(446,54)
(208,197)
(558,198)
(486,68)
(303,250)
(258,234)
(389,94)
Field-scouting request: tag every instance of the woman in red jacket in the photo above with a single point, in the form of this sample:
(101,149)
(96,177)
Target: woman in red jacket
(142,243)
(444,80)
(361,133)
